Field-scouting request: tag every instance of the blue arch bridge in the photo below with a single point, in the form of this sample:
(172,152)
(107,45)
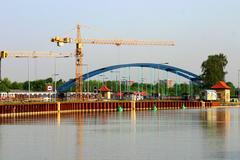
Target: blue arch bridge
(178,71)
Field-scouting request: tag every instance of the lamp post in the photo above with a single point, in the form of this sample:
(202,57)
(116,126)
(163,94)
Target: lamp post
(142,77)
(120,85)
(56,74)
(125,81)
(159,83)
(115,79)
(111,80)
(158,86)
(104,79)
(176,85)
(55,86)
(128,83)
(87,82)
(238,84)
(102,76)
(142,83)
(29,85)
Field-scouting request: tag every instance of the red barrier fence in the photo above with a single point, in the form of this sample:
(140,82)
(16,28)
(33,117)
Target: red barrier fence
(139,105)
(35,108)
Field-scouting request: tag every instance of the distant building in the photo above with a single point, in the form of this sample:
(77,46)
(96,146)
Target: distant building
(223,91)
(21,95)
(170,83)
(130,82)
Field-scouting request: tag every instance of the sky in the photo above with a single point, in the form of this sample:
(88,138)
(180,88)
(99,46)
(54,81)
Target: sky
(199,28)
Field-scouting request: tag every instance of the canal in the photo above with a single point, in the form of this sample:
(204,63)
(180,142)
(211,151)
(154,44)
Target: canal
(143,135)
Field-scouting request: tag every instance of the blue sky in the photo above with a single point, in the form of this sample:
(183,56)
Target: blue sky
(199,28)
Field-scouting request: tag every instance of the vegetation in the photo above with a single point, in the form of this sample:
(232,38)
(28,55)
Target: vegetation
(233,90)
(213,69)
(39,85)
(153,89)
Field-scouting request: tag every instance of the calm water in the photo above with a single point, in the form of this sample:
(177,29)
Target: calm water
(168,134)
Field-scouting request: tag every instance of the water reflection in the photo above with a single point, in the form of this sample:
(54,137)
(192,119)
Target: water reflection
(217,118)
(59,119)
(189,134)
(218,134)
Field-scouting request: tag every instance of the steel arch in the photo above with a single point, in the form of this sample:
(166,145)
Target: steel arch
(183,73)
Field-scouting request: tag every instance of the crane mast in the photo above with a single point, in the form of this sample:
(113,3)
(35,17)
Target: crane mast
(79,62)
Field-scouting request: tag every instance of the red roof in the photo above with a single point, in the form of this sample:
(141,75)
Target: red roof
(220,85)
(104,89)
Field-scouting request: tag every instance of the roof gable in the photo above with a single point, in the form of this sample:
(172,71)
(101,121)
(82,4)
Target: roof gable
(220,85)
(104,89)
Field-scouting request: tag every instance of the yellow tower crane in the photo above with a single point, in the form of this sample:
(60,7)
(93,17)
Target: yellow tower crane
(79,50)
(31,54)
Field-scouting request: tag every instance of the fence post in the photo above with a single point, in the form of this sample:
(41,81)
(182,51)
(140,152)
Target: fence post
(58,107)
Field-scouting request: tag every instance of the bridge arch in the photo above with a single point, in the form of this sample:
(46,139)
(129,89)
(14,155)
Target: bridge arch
(178,71)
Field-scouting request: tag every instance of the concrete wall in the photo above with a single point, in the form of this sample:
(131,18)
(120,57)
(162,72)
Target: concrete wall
(224,95)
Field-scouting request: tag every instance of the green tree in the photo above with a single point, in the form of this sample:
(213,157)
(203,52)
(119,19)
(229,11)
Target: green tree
(232,89)
(7,82)
(3,87)
(17,85)
(60,82)
(213,69)
(49,80)
(25,85)
(184,88)
(38,85)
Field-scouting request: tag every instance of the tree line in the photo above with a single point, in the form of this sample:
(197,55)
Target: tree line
(36,86)
(93,85)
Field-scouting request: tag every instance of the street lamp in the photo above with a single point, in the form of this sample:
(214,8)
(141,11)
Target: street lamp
(29,83)
(102,76)
(125,81)
(104,80)
(115,79)
(159,83)
(56,74)
(177,84)
(142,83)
(87,81)
(111,81)
(29,87)
(55,86)
(238,83)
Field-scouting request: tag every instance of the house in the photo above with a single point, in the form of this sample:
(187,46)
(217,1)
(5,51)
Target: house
(106,92)
(223,91)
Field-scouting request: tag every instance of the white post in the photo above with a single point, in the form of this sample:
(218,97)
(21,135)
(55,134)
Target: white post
(238,84)
(158,85)
(120,85)
(55,85)
(29,86)
(88,83)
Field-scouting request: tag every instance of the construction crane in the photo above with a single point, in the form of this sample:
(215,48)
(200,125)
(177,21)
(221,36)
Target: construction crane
(79,50)
(30,54)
